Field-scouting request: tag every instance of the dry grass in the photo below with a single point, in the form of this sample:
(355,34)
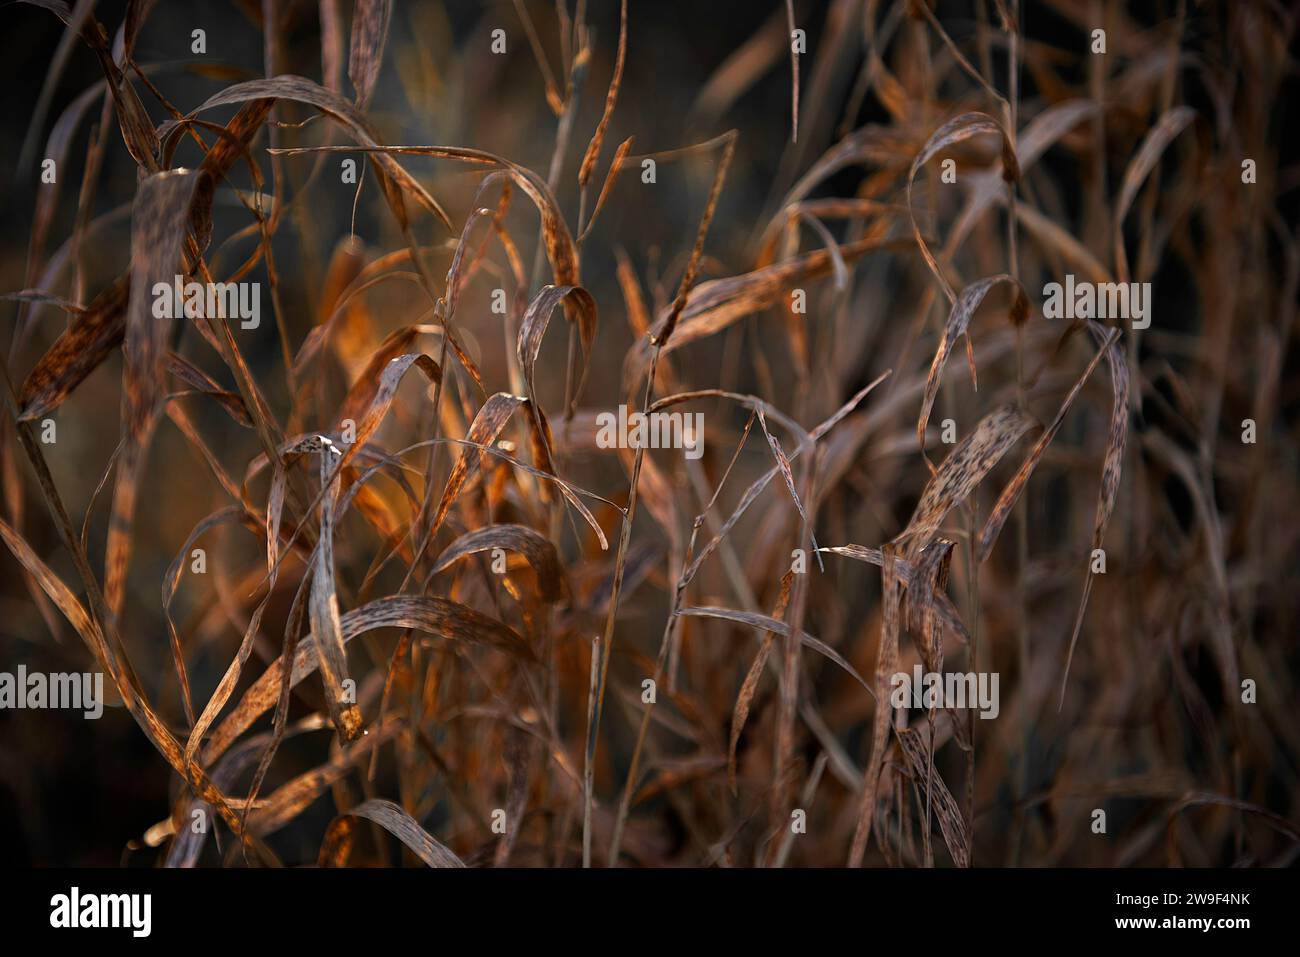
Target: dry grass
(355,467)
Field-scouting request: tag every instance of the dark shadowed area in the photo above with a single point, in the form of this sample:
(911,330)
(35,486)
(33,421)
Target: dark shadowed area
(464,235)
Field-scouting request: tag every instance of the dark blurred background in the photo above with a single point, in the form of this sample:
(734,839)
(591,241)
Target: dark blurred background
(80,792)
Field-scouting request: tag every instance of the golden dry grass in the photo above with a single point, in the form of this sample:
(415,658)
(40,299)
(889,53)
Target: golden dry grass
(431,601)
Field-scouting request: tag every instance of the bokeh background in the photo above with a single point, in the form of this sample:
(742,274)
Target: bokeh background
(1202,545)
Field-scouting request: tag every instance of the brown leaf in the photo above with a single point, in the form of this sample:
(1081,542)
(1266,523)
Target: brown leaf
(76,353)
(917,597)
(611,97)
(1159,137)
(963,469)
(719,303)
(1110,473)
(533,328)
(763,622)
(740,713)
(954,131)
(302,90)
(951,823)
(232,402)
(485,428)
(963,309)
(369,34)
(998,516)
(402,826)
(533,545)
(615,165)
(158,228)
(886,666)
(434,616)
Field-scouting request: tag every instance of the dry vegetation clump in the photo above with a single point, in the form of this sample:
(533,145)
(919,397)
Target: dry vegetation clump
(359,564)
